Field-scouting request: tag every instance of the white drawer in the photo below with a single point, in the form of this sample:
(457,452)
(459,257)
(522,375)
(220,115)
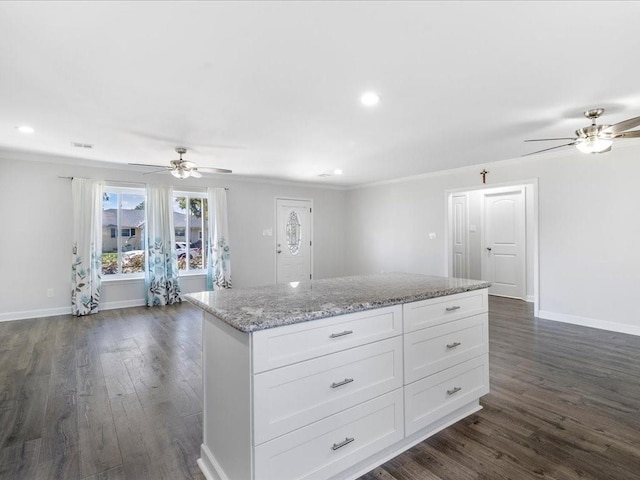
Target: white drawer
(327,447)
(433,349)
(276,347)
(432,398)
(434,311)
(291,397)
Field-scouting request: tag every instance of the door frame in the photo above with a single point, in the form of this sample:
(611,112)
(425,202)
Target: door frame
(275,234)
(530,184)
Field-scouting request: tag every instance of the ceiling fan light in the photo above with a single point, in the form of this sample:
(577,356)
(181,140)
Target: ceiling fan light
(594,145)
(180,173)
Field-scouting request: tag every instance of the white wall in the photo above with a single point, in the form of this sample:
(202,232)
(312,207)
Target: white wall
(589,235)
(35,239)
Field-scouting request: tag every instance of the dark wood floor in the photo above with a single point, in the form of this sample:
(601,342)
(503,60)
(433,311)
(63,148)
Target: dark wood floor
(118,395)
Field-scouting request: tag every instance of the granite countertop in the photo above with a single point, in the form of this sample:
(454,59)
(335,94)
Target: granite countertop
(258,308)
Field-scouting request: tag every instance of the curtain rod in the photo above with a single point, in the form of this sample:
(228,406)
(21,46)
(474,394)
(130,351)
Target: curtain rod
(120,181)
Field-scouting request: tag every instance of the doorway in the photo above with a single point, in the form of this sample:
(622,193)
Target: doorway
(294,242)
(493,236)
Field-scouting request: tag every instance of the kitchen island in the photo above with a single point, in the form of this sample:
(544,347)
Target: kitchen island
(327,379)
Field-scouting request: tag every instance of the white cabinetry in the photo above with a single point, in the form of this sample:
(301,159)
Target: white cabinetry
(333,398)
(446,364)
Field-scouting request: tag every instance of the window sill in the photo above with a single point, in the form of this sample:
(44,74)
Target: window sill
(192,274)
(118,279)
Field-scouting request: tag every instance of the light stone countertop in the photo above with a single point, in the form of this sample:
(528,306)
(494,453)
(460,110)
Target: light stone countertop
(258,308)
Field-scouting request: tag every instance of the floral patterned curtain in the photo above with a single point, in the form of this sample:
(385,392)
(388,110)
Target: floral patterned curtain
(161,272)
(219,261)
(86,265)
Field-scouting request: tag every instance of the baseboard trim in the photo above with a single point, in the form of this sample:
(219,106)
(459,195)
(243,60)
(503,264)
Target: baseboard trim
(590,322)
(209,466)
(54,312)
(45,312)
(138,302)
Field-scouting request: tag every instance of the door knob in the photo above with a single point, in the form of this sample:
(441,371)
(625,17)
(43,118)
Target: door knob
(279,251)
(489,249)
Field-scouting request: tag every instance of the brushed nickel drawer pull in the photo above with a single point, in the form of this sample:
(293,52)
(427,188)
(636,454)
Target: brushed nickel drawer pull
(453,345)
(454,390)
(343,382)
(341,334)
(346,441)
(451,309)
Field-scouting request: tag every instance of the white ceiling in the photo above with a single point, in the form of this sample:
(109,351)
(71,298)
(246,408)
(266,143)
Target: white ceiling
(271,89)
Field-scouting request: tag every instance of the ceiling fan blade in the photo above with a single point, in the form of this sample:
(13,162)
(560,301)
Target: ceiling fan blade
(550,139)
(622,126)
(214,170)
(552,148)
(195,173)
(187,164)
(634,134)
(165,169)
(146,165)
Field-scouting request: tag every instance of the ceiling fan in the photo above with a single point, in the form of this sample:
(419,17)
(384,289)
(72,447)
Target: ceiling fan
(595,138)
(182,168)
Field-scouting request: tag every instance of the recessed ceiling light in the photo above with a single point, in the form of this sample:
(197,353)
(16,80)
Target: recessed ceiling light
(370,99)
(337,171)
(25,129)
(82,145)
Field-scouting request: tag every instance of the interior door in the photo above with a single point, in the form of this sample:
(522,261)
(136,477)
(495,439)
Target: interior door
(503,259)
(459,236)
(293,240)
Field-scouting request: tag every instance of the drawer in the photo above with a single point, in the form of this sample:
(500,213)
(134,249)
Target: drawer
(431,398)
(277,347)
(433,349)
(291,397)
(325,448)
(434,311)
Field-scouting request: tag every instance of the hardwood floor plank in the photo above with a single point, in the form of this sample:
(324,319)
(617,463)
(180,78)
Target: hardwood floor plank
(116,375)
(21,462)
(96,428)
(116,473)
(97,434)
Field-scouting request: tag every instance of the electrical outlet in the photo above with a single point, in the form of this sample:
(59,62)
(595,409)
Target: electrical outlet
(432,236)
(51,293)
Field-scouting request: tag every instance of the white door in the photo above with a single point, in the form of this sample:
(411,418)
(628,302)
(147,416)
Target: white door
(459,236)
(293,240)
(503,257)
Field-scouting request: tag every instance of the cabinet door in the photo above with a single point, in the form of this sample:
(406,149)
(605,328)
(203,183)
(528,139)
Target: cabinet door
(435,311)
(433,349)
(430,399)
(326,448)
(277,347)
(291,397)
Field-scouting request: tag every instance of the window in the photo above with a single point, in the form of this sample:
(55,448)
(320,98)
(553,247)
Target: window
(191,221)
(124,232)
(123,211)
